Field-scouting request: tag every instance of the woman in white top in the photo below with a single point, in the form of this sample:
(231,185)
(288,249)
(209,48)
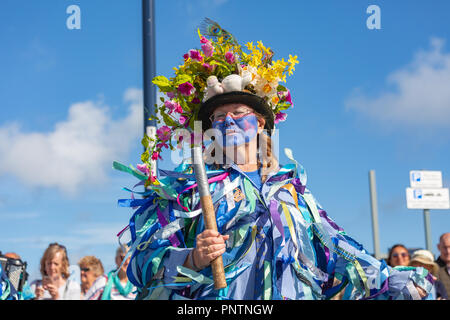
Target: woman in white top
(55,283)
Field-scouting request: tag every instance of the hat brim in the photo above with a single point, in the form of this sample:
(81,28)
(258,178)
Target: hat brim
(434,265)
(255,102)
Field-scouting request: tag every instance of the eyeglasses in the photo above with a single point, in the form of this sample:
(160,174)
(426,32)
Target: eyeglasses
(85,269)
(403,254)
(221,116)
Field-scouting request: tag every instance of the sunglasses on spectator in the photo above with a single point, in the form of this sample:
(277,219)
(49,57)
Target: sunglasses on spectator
(85,269)
(403,254)
(58,245)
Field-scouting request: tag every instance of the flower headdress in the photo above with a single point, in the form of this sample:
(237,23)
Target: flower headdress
(204,73)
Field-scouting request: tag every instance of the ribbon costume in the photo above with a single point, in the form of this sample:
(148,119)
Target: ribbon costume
(282,244)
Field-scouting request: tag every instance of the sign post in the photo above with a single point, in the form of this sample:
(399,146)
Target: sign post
(426,193)
(374,210)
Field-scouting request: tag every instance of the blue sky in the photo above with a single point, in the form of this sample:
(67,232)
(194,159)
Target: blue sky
(71,101)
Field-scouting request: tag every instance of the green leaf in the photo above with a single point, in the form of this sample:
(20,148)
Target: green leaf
(161,81)
(283,106)
(182,78)
(281,88)
(168,120)
(221,63)
(145,141)
(145,156)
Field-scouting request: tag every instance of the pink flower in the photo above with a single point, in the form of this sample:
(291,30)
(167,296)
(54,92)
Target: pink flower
(156,156)
(169,105)
(170,94)
(204,40)
(163,133)
(178,108)
(229,57)
(162,145)
(286,96)
(185,56)
(143,168)
(182,119)
(196,100)
(173,106)
(208,67)
(186,89)
(208,49)
(195,55)
(280,116)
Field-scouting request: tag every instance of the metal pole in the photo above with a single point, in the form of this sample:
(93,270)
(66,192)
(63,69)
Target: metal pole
(426,220)
(149,69)
(374,210)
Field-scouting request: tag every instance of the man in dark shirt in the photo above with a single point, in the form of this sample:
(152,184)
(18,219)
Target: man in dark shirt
(444,260)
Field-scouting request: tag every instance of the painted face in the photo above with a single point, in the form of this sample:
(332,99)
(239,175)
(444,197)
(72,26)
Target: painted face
(237,131)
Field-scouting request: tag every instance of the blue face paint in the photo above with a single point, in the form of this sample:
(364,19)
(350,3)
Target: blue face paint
(238,131)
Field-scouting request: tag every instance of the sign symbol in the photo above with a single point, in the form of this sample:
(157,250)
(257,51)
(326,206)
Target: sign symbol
(416,176)
(417,194)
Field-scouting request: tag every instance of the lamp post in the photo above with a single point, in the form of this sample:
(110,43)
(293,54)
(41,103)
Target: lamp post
(149,70)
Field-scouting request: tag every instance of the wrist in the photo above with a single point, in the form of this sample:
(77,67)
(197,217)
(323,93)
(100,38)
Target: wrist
(192,261)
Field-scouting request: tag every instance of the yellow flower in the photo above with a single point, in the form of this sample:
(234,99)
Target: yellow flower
(275,100)
(292,61)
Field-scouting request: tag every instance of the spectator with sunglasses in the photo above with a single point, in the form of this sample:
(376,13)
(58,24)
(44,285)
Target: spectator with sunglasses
(55,283)
(398,256)
(92,277)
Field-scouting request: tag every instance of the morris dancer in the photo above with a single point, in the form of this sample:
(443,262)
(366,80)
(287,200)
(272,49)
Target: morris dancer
(276,240)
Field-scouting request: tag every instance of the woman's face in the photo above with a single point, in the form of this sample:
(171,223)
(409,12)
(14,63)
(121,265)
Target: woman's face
(237,123)
(53,266)
(399,257)
(87,276)
(119,259)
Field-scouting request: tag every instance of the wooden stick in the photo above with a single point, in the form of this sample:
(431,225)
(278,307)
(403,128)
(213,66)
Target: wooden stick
(209,215)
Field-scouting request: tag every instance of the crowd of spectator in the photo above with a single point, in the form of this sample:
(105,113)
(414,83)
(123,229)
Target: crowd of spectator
(56,284)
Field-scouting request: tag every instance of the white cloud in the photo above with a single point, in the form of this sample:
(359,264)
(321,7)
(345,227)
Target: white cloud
(79,151)
(417,95)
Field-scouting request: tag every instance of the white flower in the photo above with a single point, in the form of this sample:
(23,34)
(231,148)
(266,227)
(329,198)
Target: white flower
(264,88)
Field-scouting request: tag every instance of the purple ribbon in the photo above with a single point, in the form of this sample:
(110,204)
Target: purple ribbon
(323,214)
(276,218)
(383,289)
(299,187)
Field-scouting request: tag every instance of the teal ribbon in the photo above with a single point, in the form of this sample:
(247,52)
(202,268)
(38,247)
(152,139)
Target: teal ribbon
(113,279)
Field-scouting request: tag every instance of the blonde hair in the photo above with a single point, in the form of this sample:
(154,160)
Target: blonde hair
(50,253)
(266,160)
(94,263)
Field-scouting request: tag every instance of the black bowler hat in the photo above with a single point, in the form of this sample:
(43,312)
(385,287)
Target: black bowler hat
(253,101)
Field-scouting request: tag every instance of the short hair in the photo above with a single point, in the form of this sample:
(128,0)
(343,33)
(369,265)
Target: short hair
(49,253)
(94,263)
